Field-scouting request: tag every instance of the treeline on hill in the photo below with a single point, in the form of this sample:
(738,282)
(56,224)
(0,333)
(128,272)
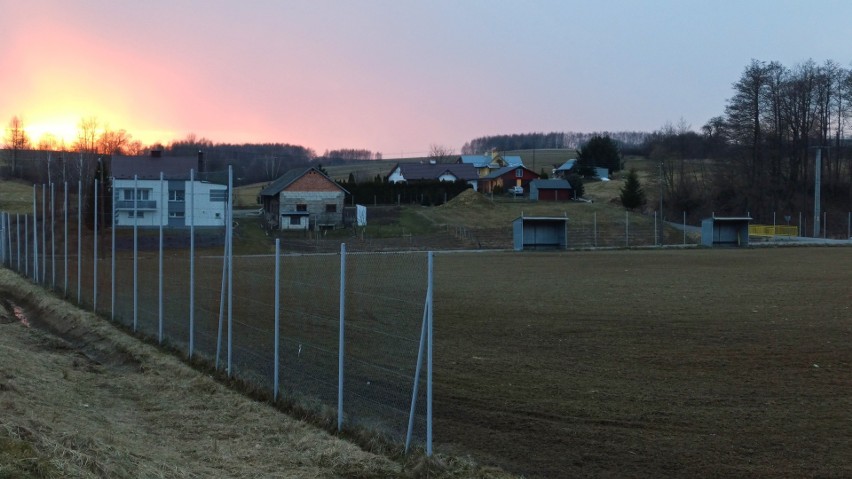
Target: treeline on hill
(762,150)
(628,141)
(380,191)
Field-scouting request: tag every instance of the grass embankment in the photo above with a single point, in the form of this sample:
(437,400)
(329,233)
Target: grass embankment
(88,400)
(16,197)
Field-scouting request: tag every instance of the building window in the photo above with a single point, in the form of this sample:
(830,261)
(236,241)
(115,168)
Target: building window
(139,214)
(301,207)
(331,208)
(295,220)
(177,195)
(176,214)
(519,173)
(141,194)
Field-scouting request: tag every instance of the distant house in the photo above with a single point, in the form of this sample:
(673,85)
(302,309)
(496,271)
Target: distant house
(565,169)
(485,164)
(142,199)
(506,178)
(303,198)
(413,172)
(551,190)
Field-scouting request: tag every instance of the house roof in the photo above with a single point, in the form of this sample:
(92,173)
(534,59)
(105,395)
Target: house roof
(291,176)
(554,184)
(513,160)
(428,171)
(149,168)
(567,165)
(502,171)
(478,161)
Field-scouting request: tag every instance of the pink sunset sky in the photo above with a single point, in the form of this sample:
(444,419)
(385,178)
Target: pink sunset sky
(392,76)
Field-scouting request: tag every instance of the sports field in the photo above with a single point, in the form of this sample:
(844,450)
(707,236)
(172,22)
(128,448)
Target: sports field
(620,363)
(663,363)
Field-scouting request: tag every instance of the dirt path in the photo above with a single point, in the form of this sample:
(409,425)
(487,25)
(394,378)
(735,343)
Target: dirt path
(105,405)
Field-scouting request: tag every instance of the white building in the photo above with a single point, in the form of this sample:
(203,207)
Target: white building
(141,198)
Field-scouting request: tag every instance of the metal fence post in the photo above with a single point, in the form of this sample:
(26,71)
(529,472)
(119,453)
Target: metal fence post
(18,240)
(135,251)
(35,235)
(2,238)
(52,237)
(112,258)
(684,227)
(429,292)
(95,254)
(277,315)
(79,240)
(163,208)
(191,261)
(230,217)
(26,246)
(340,349)
(65,240)
(222,291)
(43,234)
(417,368)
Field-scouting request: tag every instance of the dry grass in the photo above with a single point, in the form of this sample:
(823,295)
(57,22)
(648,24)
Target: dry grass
(120,408)
(100,403)
(16,197)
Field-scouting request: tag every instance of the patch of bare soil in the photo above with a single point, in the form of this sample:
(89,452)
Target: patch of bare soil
(102,404)
(467,199)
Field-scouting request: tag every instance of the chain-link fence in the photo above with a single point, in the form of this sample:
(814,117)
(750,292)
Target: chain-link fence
(343,334)
(335,334)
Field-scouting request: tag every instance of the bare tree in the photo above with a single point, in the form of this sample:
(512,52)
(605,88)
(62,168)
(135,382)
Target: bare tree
(87,135)
(48,142)
(113,142)
(272,166)
(16,140)
(441,154)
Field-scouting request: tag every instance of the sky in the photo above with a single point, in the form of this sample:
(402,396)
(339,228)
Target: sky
(393,76)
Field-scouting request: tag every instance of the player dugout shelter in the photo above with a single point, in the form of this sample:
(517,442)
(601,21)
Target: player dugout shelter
(725,231)
(540,232)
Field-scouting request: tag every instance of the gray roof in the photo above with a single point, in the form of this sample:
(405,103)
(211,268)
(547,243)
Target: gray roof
(567,165)
(289,177)
(149,168)
(428,171)
(554,184)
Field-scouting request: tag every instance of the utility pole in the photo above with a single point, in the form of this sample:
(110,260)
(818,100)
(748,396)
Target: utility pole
(817,180)
(662,226)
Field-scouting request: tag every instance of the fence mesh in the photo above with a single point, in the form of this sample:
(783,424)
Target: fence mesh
(174,285)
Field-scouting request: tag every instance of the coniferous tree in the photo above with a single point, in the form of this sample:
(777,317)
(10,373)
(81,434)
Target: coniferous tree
(632,194)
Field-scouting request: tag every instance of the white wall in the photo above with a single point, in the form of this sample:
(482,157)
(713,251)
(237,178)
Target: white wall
(207,213)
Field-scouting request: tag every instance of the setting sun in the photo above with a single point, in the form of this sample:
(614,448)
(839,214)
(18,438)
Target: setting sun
(63,129)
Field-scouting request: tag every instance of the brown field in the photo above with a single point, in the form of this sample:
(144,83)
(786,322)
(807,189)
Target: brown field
(692,363)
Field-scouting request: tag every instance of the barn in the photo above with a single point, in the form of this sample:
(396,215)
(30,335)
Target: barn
(540,232)
(725,231)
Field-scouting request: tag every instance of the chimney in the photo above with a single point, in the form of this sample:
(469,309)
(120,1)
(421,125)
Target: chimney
(201,163)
